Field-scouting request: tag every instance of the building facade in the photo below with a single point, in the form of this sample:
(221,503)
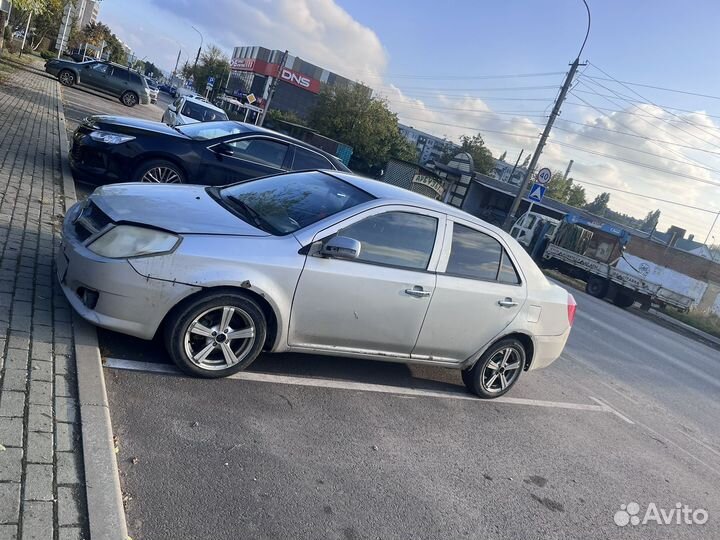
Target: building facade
(253,70)
(429,147)
(80,14)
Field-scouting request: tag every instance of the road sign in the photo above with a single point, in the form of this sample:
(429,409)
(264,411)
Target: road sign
(537,192)
(251,98)
(211,82)
(544,176)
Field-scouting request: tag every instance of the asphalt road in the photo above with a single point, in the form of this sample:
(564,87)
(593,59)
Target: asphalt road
(321,447)
(302,457)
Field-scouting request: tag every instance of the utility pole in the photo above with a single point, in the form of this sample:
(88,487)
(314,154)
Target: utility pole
(567,171)
(66,23)
(172,77)
(515,166)
(273,86)
(510,219)
(197,56)
(27,29)
(711,228)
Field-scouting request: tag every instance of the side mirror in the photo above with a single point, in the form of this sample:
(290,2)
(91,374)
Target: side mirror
(224,149)
(341,247)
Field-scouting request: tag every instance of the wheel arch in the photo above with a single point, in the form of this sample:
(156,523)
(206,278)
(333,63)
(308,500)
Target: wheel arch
(271,316)
(525,339)
(153,155)
(75,73)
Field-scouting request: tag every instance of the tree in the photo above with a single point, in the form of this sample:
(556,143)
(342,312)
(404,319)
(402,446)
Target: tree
(503,156)
(352,116)
(599,204)
(285,116)
(212,63)
(152,68)
(475,146)
(559,187)
(47,22)
(576,196)
(651,221)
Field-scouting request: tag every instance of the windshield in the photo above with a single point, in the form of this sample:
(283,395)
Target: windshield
(201,113)
(285,203)
(211,130)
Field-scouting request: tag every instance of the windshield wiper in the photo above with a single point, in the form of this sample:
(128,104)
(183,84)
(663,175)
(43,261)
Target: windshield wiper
(252,214)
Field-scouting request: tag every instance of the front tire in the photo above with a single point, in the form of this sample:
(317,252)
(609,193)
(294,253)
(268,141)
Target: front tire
(623,301)
(597,287)
(66,77)
(160,171)
(216,335)
(497,370)
(129,99)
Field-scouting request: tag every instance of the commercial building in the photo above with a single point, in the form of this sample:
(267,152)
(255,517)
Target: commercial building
(253,70)
(429,147)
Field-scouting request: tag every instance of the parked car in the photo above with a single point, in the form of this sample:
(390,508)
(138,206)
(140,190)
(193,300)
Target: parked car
(108,149)
(154,90)
(114,79)
(165,88)
(191,109)
(315,262)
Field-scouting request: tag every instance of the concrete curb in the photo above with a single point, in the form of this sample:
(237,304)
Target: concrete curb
(106,514)
(670,320)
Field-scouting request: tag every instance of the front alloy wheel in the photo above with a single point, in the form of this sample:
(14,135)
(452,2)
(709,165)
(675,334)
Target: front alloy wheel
(129,99)
(216,334)
(497,370)
(161,175)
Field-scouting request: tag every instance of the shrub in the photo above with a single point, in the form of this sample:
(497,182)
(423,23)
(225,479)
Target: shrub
(48,55)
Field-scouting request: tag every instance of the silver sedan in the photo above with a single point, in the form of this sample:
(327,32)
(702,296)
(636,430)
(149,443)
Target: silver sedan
(320,262)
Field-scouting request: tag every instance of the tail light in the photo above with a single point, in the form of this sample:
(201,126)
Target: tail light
(572,308)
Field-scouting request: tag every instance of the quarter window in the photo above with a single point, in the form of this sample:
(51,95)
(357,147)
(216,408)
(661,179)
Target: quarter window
(304,159)
(395,239)
(263,151)
(476,255)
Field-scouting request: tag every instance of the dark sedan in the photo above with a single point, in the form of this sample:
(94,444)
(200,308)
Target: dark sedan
(107,149)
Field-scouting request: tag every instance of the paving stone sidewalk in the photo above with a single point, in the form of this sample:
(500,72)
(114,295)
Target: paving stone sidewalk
(42,490)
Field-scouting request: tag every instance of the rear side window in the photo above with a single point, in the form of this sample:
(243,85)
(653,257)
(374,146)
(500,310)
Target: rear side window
(305,159)
(263,151)
(476,255)
(395,239)
(135,78)
(120,73)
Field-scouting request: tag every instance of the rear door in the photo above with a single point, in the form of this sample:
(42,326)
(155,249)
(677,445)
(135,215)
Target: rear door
(479,291)
(245,158)
(305,159)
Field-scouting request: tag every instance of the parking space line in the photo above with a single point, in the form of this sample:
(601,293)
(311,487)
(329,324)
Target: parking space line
(611,410)
(118,363)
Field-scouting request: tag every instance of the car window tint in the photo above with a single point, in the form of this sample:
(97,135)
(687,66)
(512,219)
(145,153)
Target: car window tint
(201,113)
(473,254)
(264,151)
(508,274)
(305,159)
(101,68)
(120,73)
(395,238)
(135,78)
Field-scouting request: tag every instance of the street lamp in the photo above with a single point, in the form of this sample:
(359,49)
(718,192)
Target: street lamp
(199,48)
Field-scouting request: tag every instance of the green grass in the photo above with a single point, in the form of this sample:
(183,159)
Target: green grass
(565,280)
(707,322)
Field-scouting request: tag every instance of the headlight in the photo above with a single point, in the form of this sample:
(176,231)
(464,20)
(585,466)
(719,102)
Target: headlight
(126,241)
(109,137)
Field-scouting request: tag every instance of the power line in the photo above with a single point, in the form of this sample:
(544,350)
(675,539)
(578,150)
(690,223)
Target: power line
(474,128)
(472,96)
(634,149)
(689,147)
(686,92)
(636,163)
(659,117)
(523,114)
(585,182)
(490,89)
(650,103)
(468,77)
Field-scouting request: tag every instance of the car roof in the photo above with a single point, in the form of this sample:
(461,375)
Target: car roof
(390,193)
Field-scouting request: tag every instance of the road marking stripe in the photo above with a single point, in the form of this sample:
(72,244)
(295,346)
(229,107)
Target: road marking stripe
(609,409)
(117,363)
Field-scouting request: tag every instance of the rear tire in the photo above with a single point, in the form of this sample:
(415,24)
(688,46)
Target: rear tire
(497,370)
(199,334)
(597,287)
(159,171)
(623,301)
(129,99)
(66,77)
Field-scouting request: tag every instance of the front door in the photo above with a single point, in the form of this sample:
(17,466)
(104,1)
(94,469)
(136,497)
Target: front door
(249,157)
(97,76)
(376,303)
(477,295)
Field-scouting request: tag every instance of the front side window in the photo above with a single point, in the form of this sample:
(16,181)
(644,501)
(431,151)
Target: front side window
(263,151)
(100,68)
(395,239)
(474,254)
(305,159)
(286,203)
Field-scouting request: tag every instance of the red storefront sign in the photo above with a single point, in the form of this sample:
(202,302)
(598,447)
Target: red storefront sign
(271,70)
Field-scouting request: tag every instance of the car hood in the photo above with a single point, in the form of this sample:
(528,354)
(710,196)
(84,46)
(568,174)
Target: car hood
(125,124)
(180,209)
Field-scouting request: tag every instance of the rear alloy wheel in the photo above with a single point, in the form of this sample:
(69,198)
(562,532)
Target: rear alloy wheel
(66,77)
(129,99)
(597,287)
(160,171)
(498,369)
(216,335)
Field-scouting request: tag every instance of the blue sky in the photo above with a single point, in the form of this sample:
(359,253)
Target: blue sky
(414,53)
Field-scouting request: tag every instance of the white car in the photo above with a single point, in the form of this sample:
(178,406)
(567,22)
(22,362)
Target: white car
(317,262)
(190,110)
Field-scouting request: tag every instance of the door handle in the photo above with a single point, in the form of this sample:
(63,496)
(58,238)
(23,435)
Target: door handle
(507,303)
(417,292)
